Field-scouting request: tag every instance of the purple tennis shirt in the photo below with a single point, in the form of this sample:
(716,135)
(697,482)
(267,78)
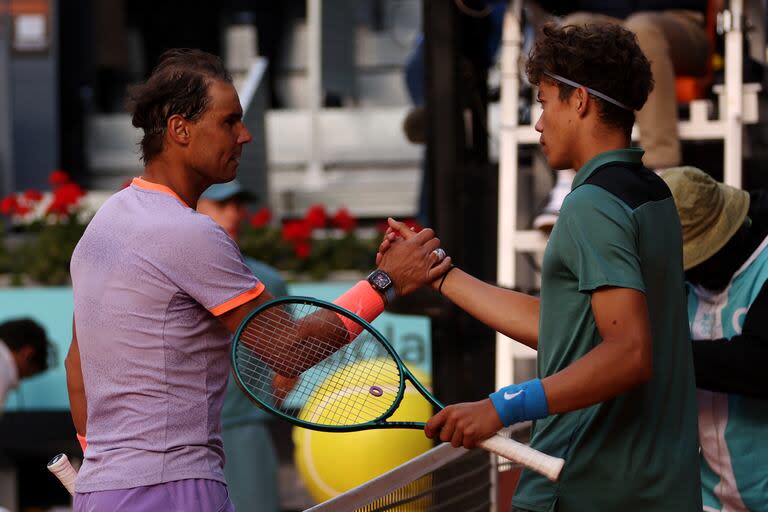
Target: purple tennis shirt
(150,275)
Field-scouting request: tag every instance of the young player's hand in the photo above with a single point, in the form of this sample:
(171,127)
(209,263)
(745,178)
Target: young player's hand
(464,424)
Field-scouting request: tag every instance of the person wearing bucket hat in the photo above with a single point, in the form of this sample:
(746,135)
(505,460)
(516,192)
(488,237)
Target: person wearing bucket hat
(252,464)
(725,254)
(223,202)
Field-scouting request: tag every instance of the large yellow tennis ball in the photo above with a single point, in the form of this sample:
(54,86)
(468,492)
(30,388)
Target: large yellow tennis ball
(330,463)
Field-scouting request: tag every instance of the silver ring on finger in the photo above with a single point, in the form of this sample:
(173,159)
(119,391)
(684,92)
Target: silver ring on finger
(440,253)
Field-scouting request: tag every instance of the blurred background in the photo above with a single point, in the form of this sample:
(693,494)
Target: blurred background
(360,109)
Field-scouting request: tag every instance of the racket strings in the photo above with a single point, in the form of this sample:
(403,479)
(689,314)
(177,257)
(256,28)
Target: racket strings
(353,391)
(342,383)
(346,389)
(271,334)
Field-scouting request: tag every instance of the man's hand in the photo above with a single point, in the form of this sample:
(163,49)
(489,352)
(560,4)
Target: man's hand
(409,257)
(464,424)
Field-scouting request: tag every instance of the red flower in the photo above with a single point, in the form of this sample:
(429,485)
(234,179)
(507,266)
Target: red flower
(296,231)
(33,195)
(58,178)
(261,218)
(69,194)
(9,205)
(344,220)
(302,249)
(65,198)
(22,210)
(57,207)
(316,216)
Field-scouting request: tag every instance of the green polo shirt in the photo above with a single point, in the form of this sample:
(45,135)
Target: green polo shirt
(637,452)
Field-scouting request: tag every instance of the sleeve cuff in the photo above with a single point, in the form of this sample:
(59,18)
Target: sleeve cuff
(238,301)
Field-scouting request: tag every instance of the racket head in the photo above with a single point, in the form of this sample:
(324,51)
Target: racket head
(365,375)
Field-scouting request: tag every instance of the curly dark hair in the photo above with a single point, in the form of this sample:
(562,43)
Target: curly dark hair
(604,57)
(178,85)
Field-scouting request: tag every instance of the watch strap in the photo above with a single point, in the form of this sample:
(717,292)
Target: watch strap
(390,293)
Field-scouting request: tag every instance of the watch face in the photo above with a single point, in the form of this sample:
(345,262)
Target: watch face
(380,280)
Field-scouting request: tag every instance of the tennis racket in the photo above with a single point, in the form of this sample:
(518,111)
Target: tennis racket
(64,471)
(345,374)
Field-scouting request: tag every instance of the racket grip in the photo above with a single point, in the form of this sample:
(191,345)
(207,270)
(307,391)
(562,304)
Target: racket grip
(62,468)
(524,455)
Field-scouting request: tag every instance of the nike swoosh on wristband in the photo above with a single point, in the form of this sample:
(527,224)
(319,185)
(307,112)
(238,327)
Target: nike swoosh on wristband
(510,396)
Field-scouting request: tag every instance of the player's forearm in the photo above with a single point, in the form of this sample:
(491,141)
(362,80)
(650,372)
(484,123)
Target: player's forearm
(78,408)
(611,368)
(75,384)
(76,388)
(514,314)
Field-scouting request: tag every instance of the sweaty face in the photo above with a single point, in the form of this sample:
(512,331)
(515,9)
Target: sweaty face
(218,136)
(556,126)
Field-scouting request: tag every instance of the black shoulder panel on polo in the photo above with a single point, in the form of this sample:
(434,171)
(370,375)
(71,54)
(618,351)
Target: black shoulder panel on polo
(632,183)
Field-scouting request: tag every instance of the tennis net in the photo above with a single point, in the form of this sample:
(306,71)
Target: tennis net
(443,479)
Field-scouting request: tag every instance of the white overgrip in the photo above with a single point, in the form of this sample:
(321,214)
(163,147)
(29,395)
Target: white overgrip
(524,455)
(62,468)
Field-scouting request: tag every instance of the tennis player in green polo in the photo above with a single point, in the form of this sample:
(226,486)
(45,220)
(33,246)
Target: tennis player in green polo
(615,395)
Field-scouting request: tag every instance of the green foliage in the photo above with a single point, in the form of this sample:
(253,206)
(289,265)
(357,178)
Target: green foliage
(315,256)
(43,229)
(44,254)
(41,232)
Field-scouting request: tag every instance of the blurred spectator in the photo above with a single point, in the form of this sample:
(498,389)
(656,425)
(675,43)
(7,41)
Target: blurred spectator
(726,266)
(273,23)
(415,122)
(673,37)
(251,462)
(24,352)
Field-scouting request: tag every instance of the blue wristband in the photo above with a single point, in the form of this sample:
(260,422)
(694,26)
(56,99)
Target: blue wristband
(520,402)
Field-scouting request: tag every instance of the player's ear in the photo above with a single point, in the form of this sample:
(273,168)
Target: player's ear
(581,100)
(178,129)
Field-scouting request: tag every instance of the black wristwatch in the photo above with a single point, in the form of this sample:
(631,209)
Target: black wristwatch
(382,283)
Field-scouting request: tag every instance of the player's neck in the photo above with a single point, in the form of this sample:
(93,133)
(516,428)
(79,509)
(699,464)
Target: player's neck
(176,177)
(599,142)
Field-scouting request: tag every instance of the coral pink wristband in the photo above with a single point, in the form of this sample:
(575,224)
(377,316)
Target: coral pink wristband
(82,441)
(363,301)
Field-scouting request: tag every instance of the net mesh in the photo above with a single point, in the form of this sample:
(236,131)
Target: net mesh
(443,479)
(462,485)
(297,358)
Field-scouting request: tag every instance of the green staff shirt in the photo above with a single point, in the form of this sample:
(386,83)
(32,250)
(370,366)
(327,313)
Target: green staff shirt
(637,452)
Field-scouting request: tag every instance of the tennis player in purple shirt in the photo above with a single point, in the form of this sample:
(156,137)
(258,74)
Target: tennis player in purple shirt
(158,291)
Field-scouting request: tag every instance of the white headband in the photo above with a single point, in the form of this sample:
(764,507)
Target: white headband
(591,91)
